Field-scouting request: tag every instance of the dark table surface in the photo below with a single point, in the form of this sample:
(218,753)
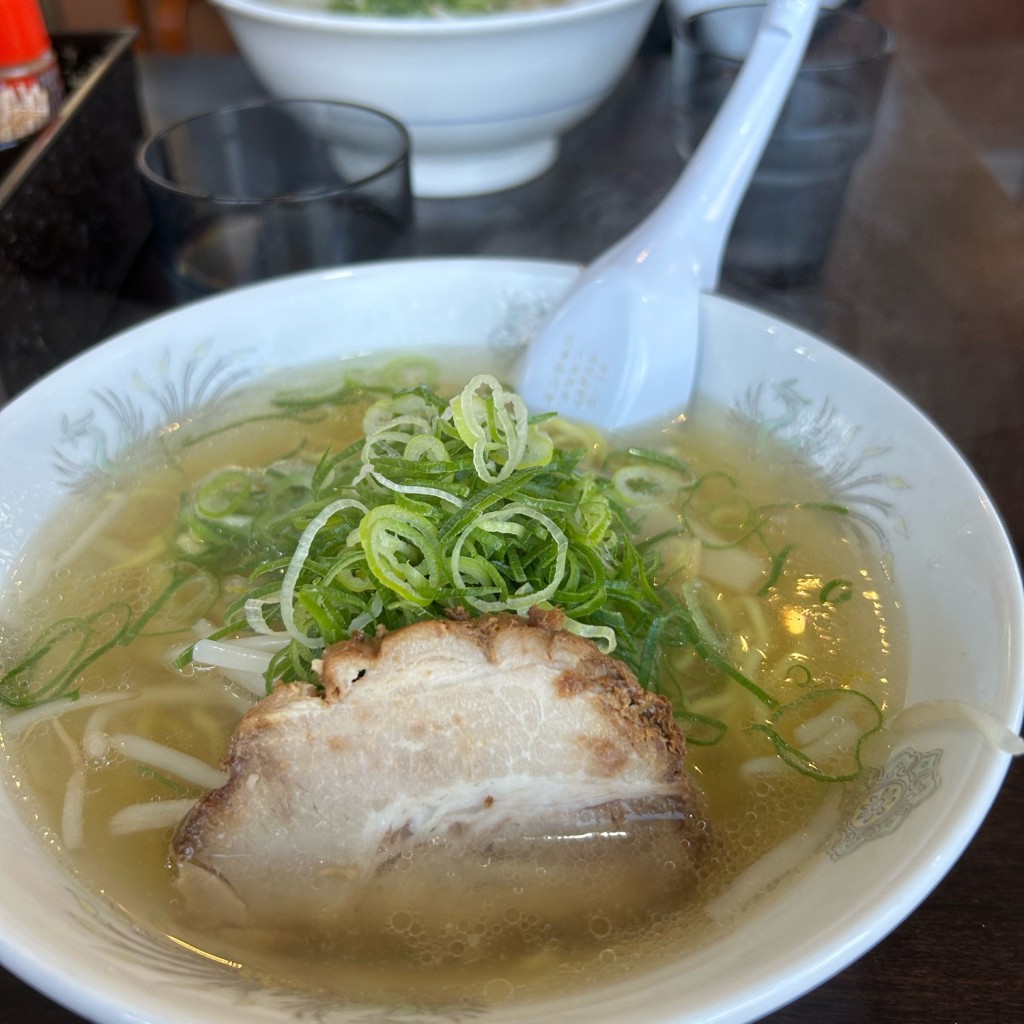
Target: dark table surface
(925,284)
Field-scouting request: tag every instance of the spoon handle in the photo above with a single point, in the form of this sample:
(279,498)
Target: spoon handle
(621,348)
(700,208)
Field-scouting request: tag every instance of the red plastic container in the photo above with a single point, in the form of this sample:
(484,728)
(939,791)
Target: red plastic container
(31,88)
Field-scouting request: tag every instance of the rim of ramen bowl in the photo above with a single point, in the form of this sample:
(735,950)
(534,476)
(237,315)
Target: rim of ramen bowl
(33,939)
(294,17)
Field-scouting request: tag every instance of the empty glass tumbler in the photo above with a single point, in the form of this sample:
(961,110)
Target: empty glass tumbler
(254,191)
(785,225)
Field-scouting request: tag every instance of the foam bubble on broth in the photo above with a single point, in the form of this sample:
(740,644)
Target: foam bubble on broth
(474,948)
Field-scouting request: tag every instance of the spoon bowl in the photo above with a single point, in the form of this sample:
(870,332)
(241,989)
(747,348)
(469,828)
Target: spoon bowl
(622,348)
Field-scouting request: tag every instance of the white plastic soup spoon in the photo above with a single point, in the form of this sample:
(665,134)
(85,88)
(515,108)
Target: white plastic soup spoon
(621,348)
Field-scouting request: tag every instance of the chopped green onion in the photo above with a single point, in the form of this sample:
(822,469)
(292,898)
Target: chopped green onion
(836,592)
(494,425)
(295,567)
(800,674)
(701,730)
(654,457)
(504,522)
(603,636)
(647,485)
(222,494)
(838,764)
(402,552)
(75,643)
(775,571)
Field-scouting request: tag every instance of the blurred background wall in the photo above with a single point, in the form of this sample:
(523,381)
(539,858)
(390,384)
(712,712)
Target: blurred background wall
(168,26)
(970,56)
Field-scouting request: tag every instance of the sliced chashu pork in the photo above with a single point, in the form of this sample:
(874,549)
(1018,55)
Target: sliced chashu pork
(493,740)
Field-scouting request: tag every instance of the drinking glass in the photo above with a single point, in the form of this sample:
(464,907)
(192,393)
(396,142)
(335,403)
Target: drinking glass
(784,227)
(261,189)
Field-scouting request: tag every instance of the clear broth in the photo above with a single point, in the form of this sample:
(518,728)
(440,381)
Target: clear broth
(564,914)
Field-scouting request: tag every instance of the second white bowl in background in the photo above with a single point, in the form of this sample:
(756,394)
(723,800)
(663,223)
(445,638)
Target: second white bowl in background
(485,97)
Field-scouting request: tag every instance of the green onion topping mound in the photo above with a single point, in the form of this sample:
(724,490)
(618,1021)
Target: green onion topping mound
(467,507)
(443,509)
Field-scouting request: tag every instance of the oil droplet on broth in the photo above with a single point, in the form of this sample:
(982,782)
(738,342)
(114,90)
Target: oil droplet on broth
(498,990)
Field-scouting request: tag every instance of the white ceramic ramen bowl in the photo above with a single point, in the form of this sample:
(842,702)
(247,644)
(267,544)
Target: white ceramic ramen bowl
(922,810)
(485,97)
